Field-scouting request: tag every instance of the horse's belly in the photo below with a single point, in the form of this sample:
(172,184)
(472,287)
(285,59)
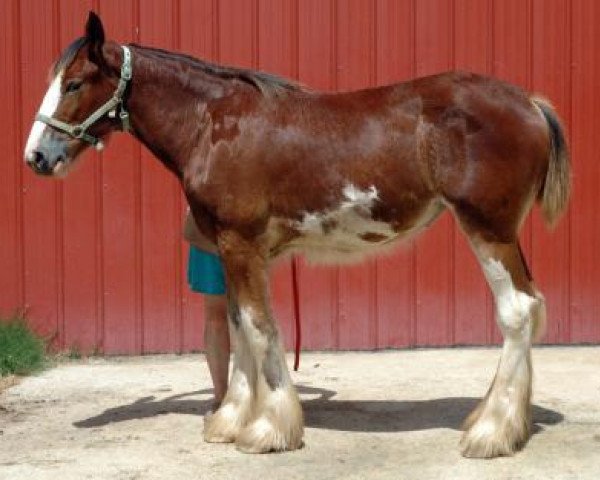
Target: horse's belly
(347,233)
(347,241)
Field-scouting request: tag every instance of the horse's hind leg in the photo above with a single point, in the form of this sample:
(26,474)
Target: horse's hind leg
(501,423)
(272,419)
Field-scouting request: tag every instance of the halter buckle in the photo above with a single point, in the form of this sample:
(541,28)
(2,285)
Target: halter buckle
(124,116)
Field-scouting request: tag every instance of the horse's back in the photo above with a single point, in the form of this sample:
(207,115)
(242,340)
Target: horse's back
(363,168)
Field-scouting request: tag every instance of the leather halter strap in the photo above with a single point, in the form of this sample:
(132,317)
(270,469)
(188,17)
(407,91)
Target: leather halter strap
(110,107)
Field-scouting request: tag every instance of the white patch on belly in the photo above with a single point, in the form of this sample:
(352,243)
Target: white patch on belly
(359,198)
(336,235)
(352,217)
(348,233)
(48,107)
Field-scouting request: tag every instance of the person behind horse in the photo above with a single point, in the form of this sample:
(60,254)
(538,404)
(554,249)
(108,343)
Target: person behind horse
(206,276)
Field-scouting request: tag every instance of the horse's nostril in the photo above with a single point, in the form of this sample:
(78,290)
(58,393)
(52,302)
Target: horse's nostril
(38,160)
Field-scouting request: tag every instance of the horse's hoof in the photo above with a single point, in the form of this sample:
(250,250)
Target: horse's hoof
(261,436)
(485,439)
(222,426)
(485,448)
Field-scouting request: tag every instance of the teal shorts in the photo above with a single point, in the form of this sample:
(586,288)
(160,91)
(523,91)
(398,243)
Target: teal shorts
(205,272)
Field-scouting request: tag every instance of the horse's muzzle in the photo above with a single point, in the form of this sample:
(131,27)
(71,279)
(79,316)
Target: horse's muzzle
(42,163)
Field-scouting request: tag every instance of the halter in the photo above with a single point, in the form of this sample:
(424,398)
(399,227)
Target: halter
(110,107)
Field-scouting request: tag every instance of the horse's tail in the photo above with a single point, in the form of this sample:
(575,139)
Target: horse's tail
(556,189)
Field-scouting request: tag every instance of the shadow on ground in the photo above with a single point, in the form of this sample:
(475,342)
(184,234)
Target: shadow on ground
(326,412)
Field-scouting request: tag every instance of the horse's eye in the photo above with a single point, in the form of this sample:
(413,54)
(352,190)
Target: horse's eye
(73,86)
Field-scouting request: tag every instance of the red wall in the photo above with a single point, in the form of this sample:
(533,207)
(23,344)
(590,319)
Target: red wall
(98,260)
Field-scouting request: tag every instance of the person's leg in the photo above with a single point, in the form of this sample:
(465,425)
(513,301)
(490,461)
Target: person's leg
(206,276)
(216,343)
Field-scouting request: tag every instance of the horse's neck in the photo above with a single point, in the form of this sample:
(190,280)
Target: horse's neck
(166,106)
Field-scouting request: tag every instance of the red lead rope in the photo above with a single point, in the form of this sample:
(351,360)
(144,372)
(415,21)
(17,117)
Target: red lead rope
(296,312)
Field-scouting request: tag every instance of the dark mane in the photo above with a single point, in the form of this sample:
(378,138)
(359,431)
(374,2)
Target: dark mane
(266,83)
(68,54)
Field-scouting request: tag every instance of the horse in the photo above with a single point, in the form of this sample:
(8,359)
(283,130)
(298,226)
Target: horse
(270,167)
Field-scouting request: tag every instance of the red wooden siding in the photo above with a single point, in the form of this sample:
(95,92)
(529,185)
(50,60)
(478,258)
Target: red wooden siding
(98,261)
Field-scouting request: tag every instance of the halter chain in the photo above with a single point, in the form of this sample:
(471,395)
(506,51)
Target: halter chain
(110,107)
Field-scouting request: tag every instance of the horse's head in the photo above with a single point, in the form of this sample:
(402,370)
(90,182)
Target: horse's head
(72,116)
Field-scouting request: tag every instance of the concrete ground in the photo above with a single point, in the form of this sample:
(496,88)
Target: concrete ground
(368,415)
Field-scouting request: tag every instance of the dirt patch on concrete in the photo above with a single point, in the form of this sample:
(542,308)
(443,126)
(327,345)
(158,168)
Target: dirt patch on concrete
(7,382)
(368,415)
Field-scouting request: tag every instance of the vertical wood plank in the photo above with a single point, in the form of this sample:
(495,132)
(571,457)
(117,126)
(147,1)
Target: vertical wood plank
(237,34)
(585,221)
(41,218)
(11,256)
(121,236)
(161,217)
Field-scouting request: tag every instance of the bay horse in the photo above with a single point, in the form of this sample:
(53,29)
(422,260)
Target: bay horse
(270,167)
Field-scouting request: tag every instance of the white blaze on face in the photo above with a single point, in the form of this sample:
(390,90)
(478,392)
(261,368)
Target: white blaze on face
(48,107)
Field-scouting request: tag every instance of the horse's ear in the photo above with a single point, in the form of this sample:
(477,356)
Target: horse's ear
(94,34)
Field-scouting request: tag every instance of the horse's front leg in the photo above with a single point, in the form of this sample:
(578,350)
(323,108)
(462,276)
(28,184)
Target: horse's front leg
(272,416)
(224,425)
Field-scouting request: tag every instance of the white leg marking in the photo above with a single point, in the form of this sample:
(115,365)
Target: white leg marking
(500,424)
(48,107)
(277,417)
(514,307)
(225,424)
(256,338)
